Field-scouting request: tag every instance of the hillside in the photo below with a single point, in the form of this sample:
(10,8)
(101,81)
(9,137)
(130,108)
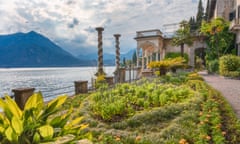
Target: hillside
(108,59)
(33,50)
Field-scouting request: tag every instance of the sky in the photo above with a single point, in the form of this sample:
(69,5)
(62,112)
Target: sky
(71,23)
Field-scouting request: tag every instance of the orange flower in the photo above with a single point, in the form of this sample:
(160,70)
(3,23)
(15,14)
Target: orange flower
(224,133)
(138,138)
(208,137)
(117,138)
(200,113)
(183,141)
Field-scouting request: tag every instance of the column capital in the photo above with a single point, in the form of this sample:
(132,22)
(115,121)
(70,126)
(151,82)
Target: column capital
(116,35)
(99,28)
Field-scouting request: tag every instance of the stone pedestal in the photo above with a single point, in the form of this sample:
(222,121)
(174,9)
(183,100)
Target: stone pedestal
(21,96)
(139,70)
(122,75)
(109,80)
(81,87)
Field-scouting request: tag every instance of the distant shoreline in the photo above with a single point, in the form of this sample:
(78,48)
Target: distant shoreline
(8,67)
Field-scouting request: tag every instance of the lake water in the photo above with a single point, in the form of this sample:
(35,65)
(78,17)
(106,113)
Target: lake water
(50,81)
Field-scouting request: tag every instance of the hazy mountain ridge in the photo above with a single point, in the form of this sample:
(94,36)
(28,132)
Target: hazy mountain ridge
(33,50)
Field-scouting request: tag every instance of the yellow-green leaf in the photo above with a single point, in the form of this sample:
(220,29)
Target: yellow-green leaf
(2,129)
(2,104)
(53,105)
(74,122)
(9,134)
(17,125)
(59,101)
(36,138)
(46,131)
(35,101)
(13,107)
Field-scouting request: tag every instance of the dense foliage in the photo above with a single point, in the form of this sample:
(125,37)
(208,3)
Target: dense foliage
(38,122)
(175,108)
(229,66)
(219,39)
(171,109)
(171,55)
(164,65)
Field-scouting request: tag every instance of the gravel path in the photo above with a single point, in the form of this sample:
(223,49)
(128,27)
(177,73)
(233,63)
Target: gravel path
(230,89)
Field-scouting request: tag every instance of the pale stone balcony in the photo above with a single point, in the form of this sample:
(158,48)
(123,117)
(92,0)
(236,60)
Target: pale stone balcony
(148,33)
(235,24)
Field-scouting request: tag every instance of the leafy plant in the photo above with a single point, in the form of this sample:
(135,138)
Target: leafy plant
(167,64)
(229,65)
(213,66)
(37,122)
(183,36)
(171,55)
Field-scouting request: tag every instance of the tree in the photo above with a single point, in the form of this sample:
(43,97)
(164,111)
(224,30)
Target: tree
(124,61)
(219,38)
(134,57)
(182,36)
(200,15)
(192,24)
(219,41)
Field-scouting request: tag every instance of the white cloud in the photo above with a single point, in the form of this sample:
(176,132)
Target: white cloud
(71,23)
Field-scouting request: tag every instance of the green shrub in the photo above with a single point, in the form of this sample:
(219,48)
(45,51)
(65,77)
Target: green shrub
(212,66)
(229,66)
(198,63)
(37,122)
(175,55)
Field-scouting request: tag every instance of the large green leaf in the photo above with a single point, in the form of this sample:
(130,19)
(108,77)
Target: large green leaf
(57,102)
(10,134)
(61,120)
(13,107)
(6,110)
(36,138)
(35,101)
(2,129)
(53,106)
(17,125)
(46,131)
(73,123)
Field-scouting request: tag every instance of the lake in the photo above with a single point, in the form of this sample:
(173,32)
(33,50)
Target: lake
(50,81)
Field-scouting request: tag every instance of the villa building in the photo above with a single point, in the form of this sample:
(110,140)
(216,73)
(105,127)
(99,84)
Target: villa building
(152,46)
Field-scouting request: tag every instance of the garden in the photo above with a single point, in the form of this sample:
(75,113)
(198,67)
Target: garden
(172,107)
(177,108)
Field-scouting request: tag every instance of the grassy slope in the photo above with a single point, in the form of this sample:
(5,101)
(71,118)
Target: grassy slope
(204,118)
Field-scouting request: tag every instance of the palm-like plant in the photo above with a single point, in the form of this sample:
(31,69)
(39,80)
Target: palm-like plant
(182,36)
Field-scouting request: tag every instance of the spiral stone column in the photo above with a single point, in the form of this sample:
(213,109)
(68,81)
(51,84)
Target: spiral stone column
(117,73)
(100,52)
(117,50)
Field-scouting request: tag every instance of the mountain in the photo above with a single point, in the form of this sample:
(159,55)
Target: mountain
(33,50)
(108,59)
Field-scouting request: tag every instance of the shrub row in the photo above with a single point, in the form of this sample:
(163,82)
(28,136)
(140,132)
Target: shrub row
(229,65)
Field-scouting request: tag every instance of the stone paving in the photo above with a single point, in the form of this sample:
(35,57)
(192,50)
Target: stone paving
(230,89)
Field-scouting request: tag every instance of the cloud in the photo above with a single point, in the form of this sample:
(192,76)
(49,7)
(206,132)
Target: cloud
(71,23)
(74,23)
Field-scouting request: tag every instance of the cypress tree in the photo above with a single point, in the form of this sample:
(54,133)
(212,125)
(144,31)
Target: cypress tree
(200,14)
(134,57)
